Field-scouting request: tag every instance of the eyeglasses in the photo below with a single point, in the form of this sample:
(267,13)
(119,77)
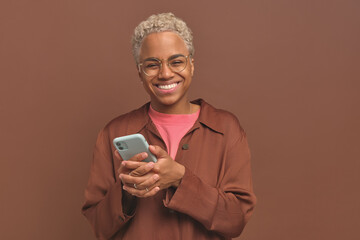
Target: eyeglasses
(152,66)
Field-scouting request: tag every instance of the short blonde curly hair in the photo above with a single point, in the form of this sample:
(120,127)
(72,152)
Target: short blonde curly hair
(162,22)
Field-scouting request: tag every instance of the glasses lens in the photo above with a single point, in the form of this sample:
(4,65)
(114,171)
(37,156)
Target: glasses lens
(151,67)
(178,64)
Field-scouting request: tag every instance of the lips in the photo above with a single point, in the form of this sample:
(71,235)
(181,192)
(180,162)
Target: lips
(167,86)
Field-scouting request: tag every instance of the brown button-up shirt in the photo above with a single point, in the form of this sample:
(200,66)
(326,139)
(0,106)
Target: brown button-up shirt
(213,201)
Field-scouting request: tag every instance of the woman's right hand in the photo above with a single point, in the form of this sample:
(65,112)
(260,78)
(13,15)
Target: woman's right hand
(137,176)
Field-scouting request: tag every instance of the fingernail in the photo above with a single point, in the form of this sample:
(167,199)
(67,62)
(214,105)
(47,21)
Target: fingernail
(156,177)
(150,164)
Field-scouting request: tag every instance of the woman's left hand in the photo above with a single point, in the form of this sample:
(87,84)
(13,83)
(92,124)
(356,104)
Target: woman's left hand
(165,173)
(170,172)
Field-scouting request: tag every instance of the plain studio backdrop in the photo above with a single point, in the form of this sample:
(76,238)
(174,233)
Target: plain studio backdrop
(288,69)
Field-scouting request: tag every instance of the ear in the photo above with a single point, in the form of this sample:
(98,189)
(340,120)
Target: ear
(139,72)
(192,67)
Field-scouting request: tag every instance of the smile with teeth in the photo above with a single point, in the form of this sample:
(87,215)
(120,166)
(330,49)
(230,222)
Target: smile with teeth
(168,86)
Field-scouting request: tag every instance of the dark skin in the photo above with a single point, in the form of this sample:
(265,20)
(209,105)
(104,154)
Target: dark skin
(149,177)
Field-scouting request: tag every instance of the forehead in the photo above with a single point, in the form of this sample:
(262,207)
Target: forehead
(162,45)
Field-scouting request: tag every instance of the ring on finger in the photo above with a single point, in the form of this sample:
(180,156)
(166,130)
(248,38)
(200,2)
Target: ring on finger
(147,189)
(135,186)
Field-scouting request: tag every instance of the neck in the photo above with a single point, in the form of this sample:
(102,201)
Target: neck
(179,108)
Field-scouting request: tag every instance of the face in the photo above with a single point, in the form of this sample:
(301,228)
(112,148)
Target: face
(167,89)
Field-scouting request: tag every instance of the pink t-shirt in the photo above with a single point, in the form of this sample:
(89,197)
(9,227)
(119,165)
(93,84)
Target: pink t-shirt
(172,127)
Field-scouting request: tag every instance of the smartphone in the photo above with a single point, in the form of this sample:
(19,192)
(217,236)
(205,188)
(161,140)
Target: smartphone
(130,145)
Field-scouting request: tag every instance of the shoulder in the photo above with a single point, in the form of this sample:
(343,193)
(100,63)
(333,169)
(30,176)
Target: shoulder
(220,120)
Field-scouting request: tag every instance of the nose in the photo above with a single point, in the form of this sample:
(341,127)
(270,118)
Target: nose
(165,72)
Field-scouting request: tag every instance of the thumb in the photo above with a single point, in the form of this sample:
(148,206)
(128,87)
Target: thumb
(117,155)
(157,151)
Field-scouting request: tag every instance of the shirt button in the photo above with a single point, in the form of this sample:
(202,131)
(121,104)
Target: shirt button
(185,146)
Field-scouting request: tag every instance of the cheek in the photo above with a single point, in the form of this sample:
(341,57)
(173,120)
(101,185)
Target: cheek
(192,68)
(146,85)
(190,74)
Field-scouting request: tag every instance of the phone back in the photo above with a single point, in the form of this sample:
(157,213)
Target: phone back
(130,145)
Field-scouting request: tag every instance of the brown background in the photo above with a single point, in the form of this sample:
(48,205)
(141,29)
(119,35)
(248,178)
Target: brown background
(288,69)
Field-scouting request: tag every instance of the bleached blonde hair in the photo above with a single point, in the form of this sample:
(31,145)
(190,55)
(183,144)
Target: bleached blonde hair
(162,22)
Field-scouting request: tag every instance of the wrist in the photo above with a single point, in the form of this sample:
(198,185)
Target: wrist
(180,171)
(128,203)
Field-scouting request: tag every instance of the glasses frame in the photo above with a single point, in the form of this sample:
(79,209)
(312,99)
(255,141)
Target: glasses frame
(167,63)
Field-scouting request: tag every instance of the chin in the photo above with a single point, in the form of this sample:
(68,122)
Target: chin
(168,100)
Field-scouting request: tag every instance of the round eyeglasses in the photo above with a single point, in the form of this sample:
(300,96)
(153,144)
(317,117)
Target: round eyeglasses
(152,66)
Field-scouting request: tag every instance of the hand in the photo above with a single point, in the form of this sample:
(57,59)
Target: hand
(133,164)
(136,175)
(165,173)
(170,172)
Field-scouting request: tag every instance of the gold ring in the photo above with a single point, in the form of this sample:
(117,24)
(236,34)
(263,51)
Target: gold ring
(135,186)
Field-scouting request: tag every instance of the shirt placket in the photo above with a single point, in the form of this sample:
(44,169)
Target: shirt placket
(185,143)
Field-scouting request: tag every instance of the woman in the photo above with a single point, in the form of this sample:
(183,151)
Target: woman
(200,187)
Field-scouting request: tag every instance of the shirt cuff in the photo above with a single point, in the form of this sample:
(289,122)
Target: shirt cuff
(120,196)
(184,193)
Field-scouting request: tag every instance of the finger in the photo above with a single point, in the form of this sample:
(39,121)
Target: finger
(161,155)
(117,155)
(123,169)
(142,170)
(132,164)
(127,166)
(158,151)
(139,157)
(141,193)
(149,183)
(131,180)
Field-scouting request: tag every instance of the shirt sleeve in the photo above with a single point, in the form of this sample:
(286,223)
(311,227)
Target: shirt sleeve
(105,199)
(225,208)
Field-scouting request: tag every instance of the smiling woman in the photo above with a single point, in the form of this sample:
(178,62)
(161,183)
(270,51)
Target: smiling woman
(200,187)
(167,88)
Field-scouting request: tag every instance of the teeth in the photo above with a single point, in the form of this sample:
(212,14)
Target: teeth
(167,87)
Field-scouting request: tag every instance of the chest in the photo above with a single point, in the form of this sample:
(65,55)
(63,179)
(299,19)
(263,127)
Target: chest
(202,151)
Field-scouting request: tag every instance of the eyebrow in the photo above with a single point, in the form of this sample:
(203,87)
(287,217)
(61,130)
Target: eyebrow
(151,59)
(175,56)
(170,58)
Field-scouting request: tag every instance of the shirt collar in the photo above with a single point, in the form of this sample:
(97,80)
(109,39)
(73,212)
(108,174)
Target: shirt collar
(209,117)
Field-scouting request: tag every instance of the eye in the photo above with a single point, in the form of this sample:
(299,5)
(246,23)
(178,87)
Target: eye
(177,62)
(151,65)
